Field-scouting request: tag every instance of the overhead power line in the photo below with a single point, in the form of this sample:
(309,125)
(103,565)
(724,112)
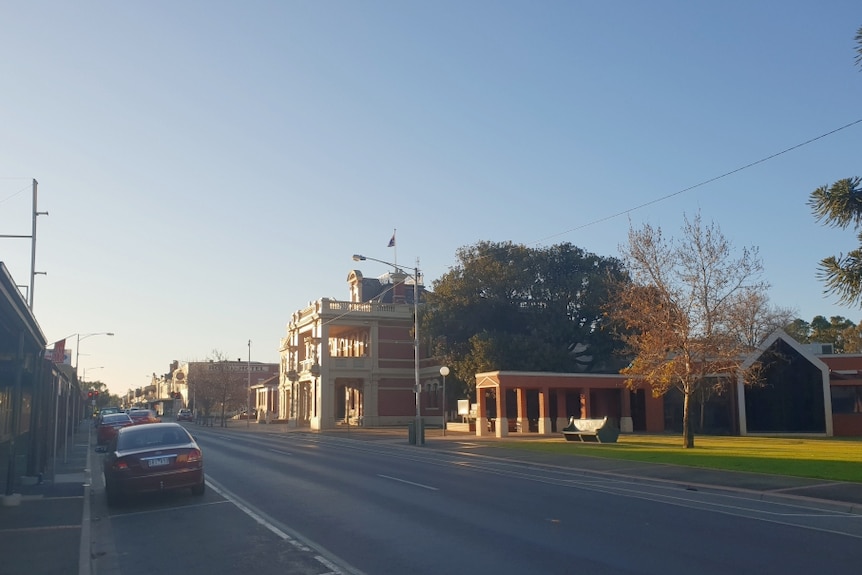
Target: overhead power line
(703,183)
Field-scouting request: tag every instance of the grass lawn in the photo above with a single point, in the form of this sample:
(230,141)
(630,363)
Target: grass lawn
(836,459)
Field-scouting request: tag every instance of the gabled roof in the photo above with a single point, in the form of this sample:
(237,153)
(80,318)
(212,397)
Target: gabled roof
(783,336)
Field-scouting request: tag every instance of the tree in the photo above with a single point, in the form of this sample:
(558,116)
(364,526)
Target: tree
(840,205)
(221,385)
(686,310)
(844,335)
(755,319)
(798,329)
(510,307)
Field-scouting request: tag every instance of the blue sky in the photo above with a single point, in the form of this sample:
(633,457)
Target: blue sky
(210,167)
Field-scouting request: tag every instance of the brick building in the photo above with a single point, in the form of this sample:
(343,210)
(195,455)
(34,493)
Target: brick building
(353,362)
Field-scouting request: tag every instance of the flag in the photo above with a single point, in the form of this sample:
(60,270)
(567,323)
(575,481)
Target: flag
(58,354)
(392,241)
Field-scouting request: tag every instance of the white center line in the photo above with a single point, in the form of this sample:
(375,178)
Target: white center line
(408,482)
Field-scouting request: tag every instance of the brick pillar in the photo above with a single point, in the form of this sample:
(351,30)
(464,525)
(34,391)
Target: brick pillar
(523,423)
(481,413)
(544,411)
(502,426)
(586,408)
(626,423)
(562,415)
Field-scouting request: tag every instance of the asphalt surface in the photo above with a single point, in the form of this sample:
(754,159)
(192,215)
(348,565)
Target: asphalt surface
(45,526)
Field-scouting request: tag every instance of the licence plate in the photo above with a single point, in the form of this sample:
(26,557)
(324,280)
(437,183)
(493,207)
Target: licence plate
(159,461)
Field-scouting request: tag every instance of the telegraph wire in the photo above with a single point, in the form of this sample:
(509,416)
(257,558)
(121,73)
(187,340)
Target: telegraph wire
(701,184)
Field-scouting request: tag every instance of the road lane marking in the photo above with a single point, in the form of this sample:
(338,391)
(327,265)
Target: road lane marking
(408,482)
(294,539)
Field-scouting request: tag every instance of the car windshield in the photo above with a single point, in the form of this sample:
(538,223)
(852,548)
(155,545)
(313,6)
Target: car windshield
(143,436)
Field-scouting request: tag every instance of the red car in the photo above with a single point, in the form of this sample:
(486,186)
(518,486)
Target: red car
(152,458)
(109,424)
(144,416)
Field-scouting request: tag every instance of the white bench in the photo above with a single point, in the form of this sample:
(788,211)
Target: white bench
(598,430)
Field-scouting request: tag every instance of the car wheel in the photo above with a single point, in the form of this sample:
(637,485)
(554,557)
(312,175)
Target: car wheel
(199,489)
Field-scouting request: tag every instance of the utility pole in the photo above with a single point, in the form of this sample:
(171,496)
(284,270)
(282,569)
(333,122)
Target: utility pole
(32,237)
(248,389)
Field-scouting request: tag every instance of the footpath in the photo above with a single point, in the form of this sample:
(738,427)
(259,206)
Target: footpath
(44,525)
(45,528)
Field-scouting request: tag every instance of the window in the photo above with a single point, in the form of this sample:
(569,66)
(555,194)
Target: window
(847,399)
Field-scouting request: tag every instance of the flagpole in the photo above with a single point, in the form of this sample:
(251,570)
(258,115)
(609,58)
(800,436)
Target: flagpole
(395,247)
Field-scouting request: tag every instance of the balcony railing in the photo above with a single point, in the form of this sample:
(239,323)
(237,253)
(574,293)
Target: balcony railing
(338,363)
(349,362)
(328,307)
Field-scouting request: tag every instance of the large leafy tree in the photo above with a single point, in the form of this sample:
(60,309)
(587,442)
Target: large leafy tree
(840,205)
(687,313)
(509,307)
(844,335)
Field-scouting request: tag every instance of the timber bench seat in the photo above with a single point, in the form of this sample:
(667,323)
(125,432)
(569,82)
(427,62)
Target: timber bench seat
(597,430)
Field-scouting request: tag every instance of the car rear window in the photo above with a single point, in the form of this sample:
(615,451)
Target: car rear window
(115,417)
(145,436)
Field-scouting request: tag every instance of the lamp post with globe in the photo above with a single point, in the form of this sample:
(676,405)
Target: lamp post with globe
(444,371)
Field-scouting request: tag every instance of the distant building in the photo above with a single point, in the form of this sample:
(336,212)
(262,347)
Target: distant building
(352,362)
(176,388)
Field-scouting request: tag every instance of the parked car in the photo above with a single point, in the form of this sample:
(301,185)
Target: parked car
(108,425)
(140,416)
(185,415)
(152,458)
(97,416)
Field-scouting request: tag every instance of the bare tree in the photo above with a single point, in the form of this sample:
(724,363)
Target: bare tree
(222,385)
(755,319)
(680,314)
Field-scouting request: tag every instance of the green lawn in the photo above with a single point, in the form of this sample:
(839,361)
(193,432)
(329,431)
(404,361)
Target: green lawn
(835,459)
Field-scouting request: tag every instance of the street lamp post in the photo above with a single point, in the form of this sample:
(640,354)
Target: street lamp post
(78,344)
(292,377)
(416,385)
(444,371)
(248,388)
(84,372)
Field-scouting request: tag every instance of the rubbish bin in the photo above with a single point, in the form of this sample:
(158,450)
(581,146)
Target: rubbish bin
(411,433)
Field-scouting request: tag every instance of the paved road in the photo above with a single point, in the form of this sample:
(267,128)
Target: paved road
(61,526)
(393,508)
